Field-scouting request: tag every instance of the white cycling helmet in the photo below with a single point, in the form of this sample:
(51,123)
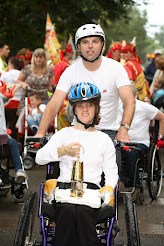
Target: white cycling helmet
(89,30)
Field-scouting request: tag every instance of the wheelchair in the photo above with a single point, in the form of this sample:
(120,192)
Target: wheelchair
(18,191)
(150,170)
(107,224)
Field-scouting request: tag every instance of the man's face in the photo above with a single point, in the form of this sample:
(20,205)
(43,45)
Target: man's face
(90,47)
(4,51)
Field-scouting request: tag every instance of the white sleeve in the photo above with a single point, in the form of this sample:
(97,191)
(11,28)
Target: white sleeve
(48,153)
(110,167)
(150,110)
(122,78)
(4,77)
(63,83)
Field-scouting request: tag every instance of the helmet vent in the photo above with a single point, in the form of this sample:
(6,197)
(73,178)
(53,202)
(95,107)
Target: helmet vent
(83,92)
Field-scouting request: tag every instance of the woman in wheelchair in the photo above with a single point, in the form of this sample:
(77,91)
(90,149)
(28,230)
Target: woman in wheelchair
(20,175)
(76,215)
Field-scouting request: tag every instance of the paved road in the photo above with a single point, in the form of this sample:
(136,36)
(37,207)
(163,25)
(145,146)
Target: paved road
(150,215)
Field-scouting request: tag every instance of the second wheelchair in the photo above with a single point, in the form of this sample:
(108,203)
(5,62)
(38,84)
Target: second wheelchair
(19,189)
(149,168)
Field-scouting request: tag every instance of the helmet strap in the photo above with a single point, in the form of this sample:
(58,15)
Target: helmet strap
(86,126)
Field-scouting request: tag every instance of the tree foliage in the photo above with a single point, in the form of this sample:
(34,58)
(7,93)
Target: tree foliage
(23,21)
(127,29)
(159,37)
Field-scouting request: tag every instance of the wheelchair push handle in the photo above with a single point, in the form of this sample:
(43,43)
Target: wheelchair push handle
(160,143)
(27,89)
(36,142)
(127,146)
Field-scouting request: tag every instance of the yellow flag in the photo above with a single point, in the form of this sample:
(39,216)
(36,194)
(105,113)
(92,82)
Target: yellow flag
(51,43)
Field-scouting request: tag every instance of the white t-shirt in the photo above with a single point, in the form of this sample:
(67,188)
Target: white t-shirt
(42,107)
(108,77)
(10,77)
(98,156)
(139,129)
(2,117)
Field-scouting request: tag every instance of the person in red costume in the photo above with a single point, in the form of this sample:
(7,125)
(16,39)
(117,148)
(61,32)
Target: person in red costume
(132,64)
(114,51)
(65,56)
(25,55)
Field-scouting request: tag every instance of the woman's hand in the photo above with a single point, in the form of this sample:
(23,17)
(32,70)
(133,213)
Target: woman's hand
(24,85)
(72,149)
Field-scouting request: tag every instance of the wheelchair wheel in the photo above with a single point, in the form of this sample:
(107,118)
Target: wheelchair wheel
(28,162)
(131,221)
(154,172)
(25,225)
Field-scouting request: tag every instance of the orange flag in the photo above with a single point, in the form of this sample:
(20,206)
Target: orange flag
(51,43)
(70,42)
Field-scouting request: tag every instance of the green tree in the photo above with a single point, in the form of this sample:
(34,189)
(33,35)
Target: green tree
(23,21)
(159,37)
(127,29)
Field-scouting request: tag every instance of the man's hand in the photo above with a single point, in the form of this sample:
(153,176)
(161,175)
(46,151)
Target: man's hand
(38,135)
(122,135)
(72,149)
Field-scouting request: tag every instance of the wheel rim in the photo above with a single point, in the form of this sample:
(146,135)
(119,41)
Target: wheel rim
(156,175)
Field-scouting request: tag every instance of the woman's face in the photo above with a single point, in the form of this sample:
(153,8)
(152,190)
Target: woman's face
(39,60)
(85,112)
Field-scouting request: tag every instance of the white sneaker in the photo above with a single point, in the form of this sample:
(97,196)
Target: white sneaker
(20,176)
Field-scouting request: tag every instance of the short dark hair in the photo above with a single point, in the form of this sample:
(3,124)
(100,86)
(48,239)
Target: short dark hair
(2,44)
(35,94)
(16,62)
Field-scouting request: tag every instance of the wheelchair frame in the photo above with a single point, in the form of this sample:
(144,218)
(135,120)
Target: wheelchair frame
(18,191)
(150,169)
(106,231)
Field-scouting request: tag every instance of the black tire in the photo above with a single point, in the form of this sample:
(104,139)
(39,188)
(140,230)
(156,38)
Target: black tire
(19,193)
(25,225)
(28,162)
(154,172)
(133,238)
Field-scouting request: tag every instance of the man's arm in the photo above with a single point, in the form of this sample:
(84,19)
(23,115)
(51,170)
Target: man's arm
(160,118)
(50,112)
(128,100)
